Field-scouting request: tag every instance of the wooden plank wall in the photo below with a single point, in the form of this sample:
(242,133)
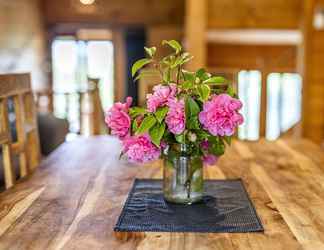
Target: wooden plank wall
(156,33)
(274,14)
(261,14)
(311,67)
(276,58)
(115,12)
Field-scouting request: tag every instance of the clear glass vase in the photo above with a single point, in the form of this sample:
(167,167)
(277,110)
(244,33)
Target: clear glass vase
(182,175)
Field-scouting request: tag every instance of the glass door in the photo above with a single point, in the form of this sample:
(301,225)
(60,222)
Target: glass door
(73,62)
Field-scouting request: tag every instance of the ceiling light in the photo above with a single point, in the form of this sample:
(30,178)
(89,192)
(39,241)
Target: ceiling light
(87,2)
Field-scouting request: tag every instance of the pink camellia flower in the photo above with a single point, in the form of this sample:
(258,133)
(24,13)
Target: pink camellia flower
(209,159)
(117,118)
(220,115)
(161,95)
(140,149)
(175,118)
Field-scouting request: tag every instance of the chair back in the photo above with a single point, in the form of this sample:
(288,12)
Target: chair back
(16,88)
(91,111)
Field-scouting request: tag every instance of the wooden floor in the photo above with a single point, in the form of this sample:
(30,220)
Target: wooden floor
(74,199)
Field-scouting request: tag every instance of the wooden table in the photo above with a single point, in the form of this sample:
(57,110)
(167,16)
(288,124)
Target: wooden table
(73,200)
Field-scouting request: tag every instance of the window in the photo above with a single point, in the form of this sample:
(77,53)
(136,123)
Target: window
(249,90)
(101,65)
(283,103)
(73,62)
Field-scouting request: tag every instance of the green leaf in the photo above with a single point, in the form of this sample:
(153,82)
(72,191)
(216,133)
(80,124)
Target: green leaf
(228,140)
(173,44)
(188,76)
(216,147)
(192,122)
(203,91)
(231,91)
(167,60)
(181,59)
(202,74)
(180,138)
(187,85)
(156,133)
(176,63)
(150,51)
(147,123)
(192,110)
(168,137)
(216,80)
(134,126)
(191,107)
(186,57)
(147,73)
(161,113)
(202,134)
(166,75)
(135,111)
(139,64)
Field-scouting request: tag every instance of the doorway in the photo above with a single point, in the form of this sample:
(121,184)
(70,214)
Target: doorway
(74,61)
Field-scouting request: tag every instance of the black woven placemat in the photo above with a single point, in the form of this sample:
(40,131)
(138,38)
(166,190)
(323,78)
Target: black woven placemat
(226,207)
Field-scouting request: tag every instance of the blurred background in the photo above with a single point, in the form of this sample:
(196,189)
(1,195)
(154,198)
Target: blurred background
(80,52)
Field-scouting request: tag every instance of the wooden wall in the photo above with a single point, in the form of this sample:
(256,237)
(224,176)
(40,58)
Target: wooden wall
(22,40)
(312,69)
(264,14)
(274,58)
(274,14)
(156,33)
(116,12)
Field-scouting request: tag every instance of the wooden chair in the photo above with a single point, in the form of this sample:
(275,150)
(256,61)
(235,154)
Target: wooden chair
(18,88)
(91,112)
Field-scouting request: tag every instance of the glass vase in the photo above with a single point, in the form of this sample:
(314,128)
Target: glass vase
(182,175)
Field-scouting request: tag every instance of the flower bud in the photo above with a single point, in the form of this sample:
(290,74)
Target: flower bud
(192,137)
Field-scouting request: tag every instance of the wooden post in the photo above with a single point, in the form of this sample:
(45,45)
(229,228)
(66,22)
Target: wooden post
(120,63)
(310,66)
(263,100)
(195,32)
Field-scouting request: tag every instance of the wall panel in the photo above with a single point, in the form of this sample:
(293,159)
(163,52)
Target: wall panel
(116,12)
(264,14)
(22,40)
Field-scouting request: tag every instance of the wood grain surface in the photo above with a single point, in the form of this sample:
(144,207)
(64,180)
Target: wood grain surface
(74,199)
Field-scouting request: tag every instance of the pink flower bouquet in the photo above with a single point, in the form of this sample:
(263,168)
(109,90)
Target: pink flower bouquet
(192,108)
